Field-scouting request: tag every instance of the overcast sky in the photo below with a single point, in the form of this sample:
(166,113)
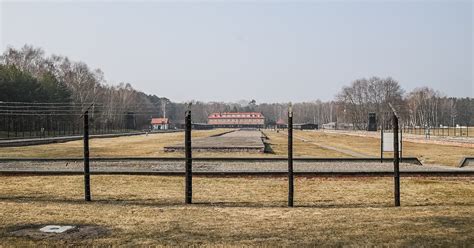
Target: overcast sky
(269,51)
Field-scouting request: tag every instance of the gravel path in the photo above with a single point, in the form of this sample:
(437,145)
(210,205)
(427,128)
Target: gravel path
(203,166)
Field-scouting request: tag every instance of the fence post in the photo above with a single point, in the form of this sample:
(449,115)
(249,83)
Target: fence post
(396,162)
(381,144)
(87,188)
(189,159)
(401,146)
(290,157)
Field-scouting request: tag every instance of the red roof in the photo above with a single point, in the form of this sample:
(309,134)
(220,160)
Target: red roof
(159,121)
(236,115)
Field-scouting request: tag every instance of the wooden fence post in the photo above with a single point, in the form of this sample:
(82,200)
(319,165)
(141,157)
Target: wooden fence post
(189,159)
(290,158)
(396,161)
(87,187)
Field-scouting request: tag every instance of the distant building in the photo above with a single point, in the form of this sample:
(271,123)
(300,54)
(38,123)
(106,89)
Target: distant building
(338,126)
(195,126)
(160,123)
(330,125)
(281,124)
(237,119)
(306,126)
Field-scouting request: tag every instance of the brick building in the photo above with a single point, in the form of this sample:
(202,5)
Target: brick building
(237,119)
(160,123)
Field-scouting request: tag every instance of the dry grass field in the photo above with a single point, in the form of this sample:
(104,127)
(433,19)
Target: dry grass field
(244,211)
(152,146)
(140,210)
(427,153)
(137,146)
(279,144)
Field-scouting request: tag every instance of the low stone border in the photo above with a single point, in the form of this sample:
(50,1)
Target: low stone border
(466,161)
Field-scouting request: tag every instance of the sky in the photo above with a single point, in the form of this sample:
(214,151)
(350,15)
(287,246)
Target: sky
(270,51)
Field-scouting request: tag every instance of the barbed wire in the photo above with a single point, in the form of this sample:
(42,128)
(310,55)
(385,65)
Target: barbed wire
(81,108)
(102,115)
(48,103)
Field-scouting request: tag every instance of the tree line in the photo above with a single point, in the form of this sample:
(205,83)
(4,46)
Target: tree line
(28,75)
(421,107)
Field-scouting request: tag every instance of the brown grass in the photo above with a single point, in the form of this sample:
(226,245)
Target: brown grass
(147,211)
(152,146)
(137,146)
(427,153)
(279,144)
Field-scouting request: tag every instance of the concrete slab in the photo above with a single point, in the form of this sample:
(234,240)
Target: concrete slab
(238,141)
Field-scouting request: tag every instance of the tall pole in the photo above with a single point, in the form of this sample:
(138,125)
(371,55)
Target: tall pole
(189,159)
(290,157)
(396,161)
(87,187)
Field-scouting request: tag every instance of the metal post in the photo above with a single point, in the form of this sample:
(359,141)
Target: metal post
(401,146)
(396,162)
(381,144)
(189,159)
(87,186)
(290,158)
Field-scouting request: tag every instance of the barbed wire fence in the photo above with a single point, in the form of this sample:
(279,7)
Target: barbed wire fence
(41,120)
